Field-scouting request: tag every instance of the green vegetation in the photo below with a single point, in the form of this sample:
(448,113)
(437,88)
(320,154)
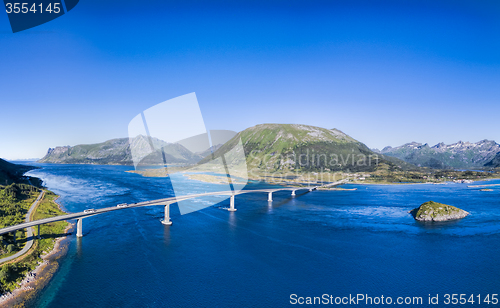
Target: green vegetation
(467,175)
(15,202)
(434,211)
(49,208)
(115,151)
(271,148)
(425,175)
(287,153)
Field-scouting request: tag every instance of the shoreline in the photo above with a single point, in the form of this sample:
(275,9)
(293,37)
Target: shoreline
(354,183)
(197,176)
(209,178)
(426,183)
(37,279)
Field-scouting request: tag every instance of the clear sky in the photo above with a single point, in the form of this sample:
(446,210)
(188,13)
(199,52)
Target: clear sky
(384,72)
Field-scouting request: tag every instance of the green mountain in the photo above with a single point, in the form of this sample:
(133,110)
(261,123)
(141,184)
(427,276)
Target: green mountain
(110,152)
(292,147)
(13,173)
(461,155)
(119,152)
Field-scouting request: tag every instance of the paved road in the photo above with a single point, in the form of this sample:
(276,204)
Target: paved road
(164,201)
(29,243)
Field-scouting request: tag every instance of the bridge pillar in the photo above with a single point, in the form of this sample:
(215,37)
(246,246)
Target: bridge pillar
(293,192)
(167,220)
(270,196)
(79,232)
(231,205)
(39,236)
(14,237)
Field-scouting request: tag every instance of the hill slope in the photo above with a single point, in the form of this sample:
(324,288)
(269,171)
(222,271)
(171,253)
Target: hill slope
(12,173)
(282,147)
(461,155)
(494,163)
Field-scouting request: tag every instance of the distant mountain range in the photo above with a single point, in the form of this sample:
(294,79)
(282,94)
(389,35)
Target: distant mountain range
(272,147)
(118,152)
(460,155)
(267,147)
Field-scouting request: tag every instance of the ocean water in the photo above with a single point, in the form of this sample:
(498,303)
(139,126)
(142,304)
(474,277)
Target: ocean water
(323,242)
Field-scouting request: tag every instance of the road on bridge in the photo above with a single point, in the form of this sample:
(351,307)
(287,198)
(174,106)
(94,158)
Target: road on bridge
(165,201)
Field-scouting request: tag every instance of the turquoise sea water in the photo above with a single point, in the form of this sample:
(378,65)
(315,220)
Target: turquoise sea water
(323,242)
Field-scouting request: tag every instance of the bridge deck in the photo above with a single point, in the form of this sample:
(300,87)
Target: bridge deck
(164,201)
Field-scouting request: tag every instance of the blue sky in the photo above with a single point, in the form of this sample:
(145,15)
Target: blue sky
(384,72)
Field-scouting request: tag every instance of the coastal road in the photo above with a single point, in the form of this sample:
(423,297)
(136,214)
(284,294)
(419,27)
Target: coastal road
(164,201)
(29,236)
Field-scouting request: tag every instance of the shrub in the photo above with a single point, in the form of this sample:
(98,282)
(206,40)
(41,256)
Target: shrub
(10,248)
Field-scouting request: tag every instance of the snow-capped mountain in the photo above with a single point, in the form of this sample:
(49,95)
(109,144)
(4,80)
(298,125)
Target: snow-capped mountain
(460,155)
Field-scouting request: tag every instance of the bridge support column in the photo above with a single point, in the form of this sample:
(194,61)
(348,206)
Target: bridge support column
(15,241)
(79,228)
(167,220)
(39,234)
(231,205)
(270,196)
(293,192)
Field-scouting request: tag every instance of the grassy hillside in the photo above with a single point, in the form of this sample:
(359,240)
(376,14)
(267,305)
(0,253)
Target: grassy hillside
(12,173)
(112,151)
(292,147)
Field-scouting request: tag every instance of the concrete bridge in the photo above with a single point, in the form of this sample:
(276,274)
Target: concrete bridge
(165,202)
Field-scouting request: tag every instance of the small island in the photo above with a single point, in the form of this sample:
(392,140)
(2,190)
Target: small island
(433,211)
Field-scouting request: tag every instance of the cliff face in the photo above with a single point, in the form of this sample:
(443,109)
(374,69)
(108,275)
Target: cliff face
(114,151)
(433,211)
(58,151)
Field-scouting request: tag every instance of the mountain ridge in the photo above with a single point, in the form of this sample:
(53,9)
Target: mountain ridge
(318,148)
(459,155)
(283,147)
(118,152)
